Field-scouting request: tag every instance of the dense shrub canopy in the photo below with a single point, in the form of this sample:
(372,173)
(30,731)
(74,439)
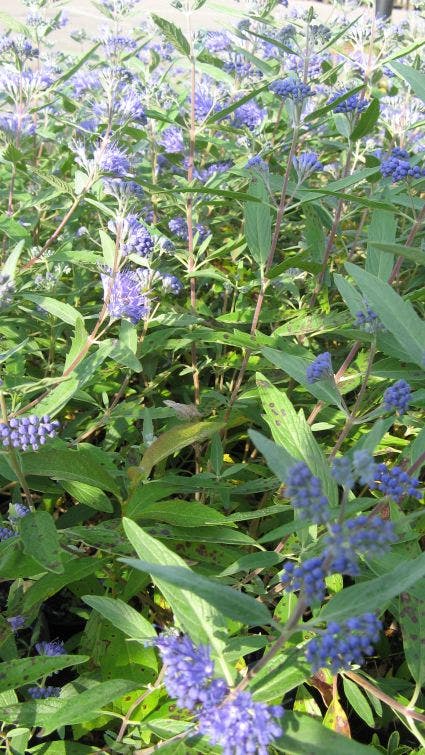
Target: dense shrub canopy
(212,383)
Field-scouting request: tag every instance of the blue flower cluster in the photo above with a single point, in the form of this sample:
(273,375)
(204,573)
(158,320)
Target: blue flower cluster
(291,89)
(395,483)
(257,163)
(308,578)
(340,645)
(50,649)
(307,163)
(6,533)
(16,622)
(178,226)
(41,693)
(305,492)
(352,104)
(398,166)
(397,397)
(320,368)
(23,433)
(362,535)
(368,320)
(239,724)
(137,238)
(250,114)
(171,139)
(123,296)
(242,726)
(7,290)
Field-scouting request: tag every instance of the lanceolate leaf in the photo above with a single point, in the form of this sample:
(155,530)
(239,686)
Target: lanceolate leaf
(175,439)
(21,671)
(173,34)
(196,616)
(374,594)
(258,226)
(397,315)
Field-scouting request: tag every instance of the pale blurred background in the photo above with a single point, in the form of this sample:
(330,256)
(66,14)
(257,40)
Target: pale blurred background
(213,15)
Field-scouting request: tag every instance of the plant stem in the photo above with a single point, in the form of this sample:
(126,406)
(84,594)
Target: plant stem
(265,281)
(350,421)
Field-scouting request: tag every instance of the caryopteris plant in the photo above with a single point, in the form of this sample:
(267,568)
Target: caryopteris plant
(212,381)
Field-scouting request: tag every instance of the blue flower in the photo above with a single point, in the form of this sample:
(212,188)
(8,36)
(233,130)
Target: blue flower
(50,649)
(123,295)
(398,397)
(292,89)
(305,164)
(178,226)
(320,368)
(171,284)
(136,237)
(6,532)
(353,103)
(366,536)
(172,139)
(340,645)
(368,320)
(397,166)
(41,693)
(250,114)
(189,672)
(395,483)
(7,291)
(308,578)
(305,492)
(16,622)
(23,433)
(257,163)
(112,159)
(242,726)
(342,472)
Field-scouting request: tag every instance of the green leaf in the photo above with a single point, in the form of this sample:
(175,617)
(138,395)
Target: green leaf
(291,431)
(122,616)
(175,439)
(366,121)
(69,464)
(236,605)
(231,108)
(58,309)
(415,78)
(296,366)
(172,34)
(261,560)
(12,228)
(382,228)
(412,621)
(306,736)
(58,398)
(108,248)
(258,224)
(89,495)
(183,513)
(73,69)
(5,355)
(84,706)
(279,676)
(374,594)
(327,108)
(397,315)
(198,618)
(50,584)
(20,671)
(358,701)
(40,540)
(276,456)
(412,253)
(9,267)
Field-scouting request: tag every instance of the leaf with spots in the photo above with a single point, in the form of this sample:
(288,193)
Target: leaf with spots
(21,671)
(291,431)
(40,539)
